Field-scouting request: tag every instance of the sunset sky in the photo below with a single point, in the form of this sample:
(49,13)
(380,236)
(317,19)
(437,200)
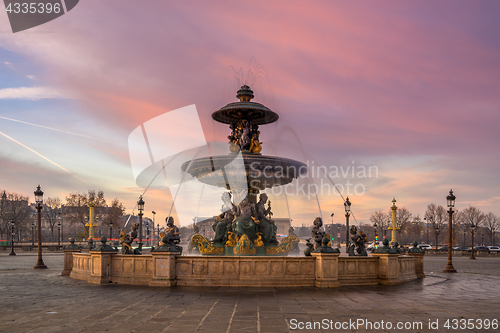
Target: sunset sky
(411,88)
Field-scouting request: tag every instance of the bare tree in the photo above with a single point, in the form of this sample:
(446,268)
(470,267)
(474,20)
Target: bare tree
(472,216)
(437,216)
(403,221)
(380,218)
(113,213)
(16,209)
(51,209)
(77,206)
(491,223)
(417,227)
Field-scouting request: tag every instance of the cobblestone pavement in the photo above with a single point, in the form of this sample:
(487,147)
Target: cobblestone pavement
(44,301)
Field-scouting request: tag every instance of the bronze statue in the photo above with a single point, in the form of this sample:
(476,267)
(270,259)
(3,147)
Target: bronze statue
(309,248)
(172,232)
(357,242)
(127,240)
(223,222)
(266,226)
(170,239)
(245,221)
(317,233)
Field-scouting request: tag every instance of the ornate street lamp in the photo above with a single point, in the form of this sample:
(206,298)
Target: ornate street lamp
(154,214)
(39,200)
(140,207)
(61,216)
(110,231)
(347,207)
(59,233)
(451,203)
(12,253)
(472,230)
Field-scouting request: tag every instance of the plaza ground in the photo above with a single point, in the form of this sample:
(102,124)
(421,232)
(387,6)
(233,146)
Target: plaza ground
(44,301)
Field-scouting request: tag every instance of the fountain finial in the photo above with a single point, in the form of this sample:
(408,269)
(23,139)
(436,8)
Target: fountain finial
(245,94)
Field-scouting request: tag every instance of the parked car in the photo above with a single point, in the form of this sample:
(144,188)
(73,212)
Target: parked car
(494,249)
(480,248)
(425,246)
(461,248)
(443,248)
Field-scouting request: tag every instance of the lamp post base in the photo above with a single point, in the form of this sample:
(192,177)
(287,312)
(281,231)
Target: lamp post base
(449,269)
(40,264)
(12,253)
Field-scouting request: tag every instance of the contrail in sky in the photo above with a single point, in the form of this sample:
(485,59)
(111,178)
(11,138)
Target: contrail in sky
(45,158)
(50,128)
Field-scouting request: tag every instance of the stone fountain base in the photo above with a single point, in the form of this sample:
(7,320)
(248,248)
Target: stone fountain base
(323,270)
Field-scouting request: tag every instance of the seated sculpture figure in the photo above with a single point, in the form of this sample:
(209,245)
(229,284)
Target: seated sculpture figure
(223,222)
(265,225)
(126,240)
(357,242)
(244,223)
(317,233)
(172,232)
(170,239)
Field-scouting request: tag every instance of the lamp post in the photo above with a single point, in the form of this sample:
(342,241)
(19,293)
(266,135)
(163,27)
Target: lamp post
(147,232)
(12,253)
(154,214)
(39,200)
(426,230)
(331,227)
(140,207)
(347,207)
(472,231)
(61,223)
(437,235)
(110,231)
(159,239)
(32,233)
(482,240)
(59,233)
(451,203)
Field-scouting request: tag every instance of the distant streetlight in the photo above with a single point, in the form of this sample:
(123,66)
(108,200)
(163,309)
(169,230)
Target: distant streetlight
(472,231)
(331,227)
(347,207)
(154,214)
(110,231)
(451,203)
(12,253)
(59,233)
(140,207)
(39,200)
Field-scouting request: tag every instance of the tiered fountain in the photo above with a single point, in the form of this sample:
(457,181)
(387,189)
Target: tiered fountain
(245,226)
